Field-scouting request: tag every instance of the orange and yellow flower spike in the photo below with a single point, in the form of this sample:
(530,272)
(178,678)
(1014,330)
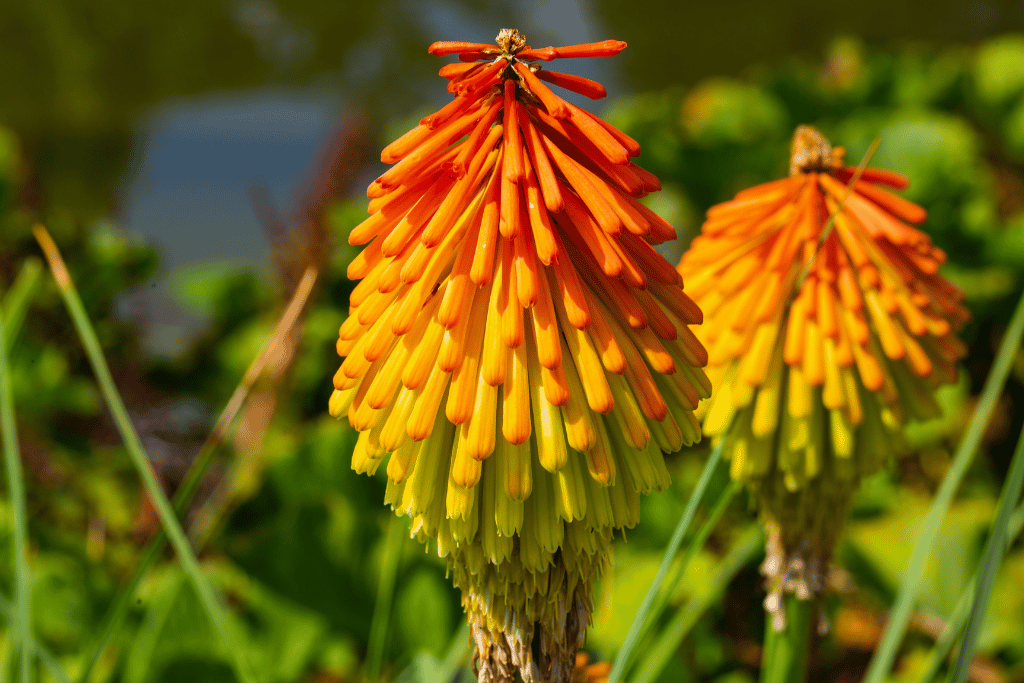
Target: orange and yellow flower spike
(516,349)
(821,345)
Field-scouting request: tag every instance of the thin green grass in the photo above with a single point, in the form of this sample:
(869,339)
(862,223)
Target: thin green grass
(885,654)
(958,618)
(633,636)
(995,548)
(15,303)
(116,613)
(49,661)
(746,548)
(21,626)
(138,456)
(393,542)
(692,548)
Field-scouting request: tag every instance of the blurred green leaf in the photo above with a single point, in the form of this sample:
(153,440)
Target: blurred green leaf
(281,638)
(724,111)
(884,541)
(997,69)
(423,612)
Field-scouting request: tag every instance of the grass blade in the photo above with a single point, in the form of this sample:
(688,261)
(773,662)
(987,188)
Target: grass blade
(137,454)
(882,660)
(21,625)
(695,544)
(385,596)
(15,303)
(995,548)
(190,484)
(958,618)
(633,636)
(56,671)
(742,552)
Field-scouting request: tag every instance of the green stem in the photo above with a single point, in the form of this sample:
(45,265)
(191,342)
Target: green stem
(885,654)
(22,625)
(785,652)
(138,455)
(633,636)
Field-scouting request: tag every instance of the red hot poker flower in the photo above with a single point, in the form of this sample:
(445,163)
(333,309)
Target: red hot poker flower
(821,345)
(517,345)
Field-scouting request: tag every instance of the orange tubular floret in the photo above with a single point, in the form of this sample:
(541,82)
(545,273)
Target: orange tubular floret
(545,327)
(474,56)
(543,53)
(628,216)
(604,48)
(631,273)
(650,181)
(554,104)
(457,69)
(365,261)
(468,148)
(458,284)
(394,195)
(509,205)
(598,134)
(577,84)
(540,222)
(487,242)
(570,290)
(654,263)
(661,230)
(463,194)
(631,145)
(526,265)
(581,148)
(423,155)
(594,201)
(447,112)
(405,144)
(542,166)
(443,48)
(898,206)
(893,179)
(678,303)
(589,238)
(485,78)
(381,222)
(513,161)
(414,220)
(512,329)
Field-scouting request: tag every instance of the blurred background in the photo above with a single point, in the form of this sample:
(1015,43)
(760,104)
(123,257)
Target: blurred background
(192,158)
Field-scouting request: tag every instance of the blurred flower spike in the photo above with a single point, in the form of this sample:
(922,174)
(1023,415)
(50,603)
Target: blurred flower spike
(516,345)
(828,326)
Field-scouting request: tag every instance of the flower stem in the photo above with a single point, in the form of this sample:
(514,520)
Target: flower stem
(784,658)
(785,652)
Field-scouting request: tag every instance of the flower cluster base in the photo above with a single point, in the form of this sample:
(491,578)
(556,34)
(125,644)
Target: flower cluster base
(534,626)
